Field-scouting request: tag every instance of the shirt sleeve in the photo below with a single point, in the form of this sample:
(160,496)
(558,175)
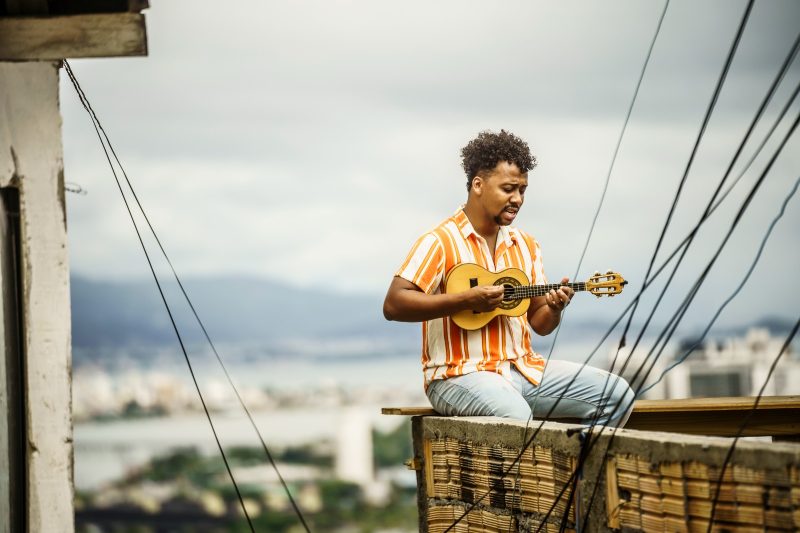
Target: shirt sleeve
(424,265)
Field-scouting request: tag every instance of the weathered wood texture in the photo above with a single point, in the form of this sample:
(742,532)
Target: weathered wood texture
(31,159)
(774,416)
(721,417)
(49,38)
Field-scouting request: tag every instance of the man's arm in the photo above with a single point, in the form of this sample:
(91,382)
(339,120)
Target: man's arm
(406,302)
(544,314)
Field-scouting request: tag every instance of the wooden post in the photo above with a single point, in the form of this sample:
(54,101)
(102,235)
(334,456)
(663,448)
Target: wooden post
(31,161)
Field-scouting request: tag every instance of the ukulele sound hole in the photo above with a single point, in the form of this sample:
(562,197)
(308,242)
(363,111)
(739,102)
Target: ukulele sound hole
(508,301)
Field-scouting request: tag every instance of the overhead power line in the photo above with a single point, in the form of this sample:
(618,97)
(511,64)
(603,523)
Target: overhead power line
(104,140)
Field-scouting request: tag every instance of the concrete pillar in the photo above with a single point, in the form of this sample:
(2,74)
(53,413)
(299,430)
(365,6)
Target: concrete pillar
(31,161)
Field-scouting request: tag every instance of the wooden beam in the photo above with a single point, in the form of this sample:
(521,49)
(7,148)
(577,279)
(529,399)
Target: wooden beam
(52,38)
(775,416)
(729,403)
(408,411)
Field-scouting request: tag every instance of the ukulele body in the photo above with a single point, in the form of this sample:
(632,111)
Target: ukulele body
(467,275)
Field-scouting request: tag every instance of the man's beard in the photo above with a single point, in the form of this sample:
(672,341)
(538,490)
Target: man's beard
(498,219)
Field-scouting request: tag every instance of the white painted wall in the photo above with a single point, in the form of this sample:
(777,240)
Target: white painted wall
(31,159)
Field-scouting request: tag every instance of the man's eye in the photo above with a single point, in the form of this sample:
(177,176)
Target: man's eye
(522,190)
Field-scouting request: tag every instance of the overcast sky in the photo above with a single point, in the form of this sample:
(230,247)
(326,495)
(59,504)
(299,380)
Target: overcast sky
(312,142)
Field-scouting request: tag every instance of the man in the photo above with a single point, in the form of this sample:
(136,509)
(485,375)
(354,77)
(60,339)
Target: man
(494,370)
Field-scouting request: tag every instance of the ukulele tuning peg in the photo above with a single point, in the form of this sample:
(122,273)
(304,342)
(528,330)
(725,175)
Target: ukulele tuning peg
(596,272)
(609,271)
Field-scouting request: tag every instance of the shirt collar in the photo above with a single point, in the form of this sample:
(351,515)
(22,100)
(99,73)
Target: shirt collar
(462,221)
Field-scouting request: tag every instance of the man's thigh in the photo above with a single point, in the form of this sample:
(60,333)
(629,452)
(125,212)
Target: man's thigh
(572,390)
(478,394)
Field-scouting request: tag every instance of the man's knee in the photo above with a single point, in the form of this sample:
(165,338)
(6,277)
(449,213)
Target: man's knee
(621,403)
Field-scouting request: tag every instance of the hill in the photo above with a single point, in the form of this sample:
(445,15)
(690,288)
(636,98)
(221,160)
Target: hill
(234,309)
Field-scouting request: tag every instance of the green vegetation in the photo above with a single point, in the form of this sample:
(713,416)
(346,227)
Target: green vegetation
(393,448)
(198,486)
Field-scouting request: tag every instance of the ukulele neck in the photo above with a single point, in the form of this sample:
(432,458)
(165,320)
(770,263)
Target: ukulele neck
(530,291)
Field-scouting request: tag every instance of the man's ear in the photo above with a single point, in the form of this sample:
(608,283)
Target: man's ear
(477,184)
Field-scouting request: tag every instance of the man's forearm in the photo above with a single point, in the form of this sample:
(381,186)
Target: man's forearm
(545,319)
(414,306)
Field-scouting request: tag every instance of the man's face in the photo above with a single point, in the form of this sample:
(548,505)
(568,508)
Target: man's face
(501,192)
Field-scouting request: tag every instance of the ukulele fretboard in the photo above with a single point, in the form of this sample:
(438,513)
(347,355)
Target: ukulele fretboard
(530,291)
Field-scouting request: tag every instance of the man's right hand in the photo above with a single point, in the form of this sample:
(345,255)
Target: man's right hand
(407,303)
(485,298)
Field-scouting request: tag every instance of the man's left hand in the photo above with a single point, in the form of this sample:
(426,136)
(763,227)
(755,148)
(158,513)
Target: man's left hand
(558,300)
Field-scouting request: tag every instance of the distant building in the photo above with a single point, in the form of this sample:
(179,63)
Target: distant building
(735,366)
(354,460)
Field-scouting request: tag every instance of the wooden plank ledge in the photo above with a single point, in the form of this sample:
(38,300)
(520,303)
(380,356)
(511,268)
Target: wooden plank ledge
(409,411)
(777,415)
(54,38)
(729,403)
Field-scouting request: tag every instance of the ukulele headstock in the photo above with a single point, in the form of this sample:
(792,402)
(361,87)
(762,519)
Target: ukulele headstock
(608,284)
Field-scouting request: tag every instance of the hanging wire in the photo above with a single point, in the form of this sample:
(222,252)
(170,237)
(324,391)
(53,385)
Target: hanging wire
(767,99)
(712,105)
(707,212)
(693,291)
(85,104)
(596,214)
(733,295)
(742,209)
(712,205)
(746,421)
(183,291)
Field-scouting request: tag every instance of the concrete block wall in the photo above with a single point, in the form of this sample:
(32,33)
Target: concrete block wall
(637,481)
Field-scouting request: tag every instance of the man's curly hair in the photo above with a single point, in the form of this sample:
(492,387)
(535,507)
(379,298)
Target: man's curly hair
(484,152)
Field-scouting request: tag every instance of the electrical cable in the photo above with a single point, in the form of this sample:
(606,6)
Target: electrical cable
(746,420)
(163,298)
(599,206)
(693,290)
(712,105)
(708,211)
(767,99)
(183,291)
(709,208)
(728,300)
(711,322)
(747,275)
(711,204)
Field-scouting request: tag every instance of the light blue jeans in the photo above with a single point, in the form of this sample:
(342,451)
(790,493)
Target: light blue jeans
(490,394)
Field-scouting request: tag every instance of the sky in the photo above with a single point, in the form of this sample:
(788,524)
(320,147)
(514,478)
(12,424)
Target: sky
(312,142)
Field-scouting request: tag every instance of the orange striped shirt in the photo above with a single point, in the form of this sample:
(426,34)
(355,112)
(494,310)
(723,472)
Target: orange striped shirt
(448,350)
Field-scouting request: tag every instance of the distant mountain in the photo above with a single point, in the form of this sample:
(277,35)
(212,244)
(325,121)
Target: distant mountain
(233,309)
(248,310)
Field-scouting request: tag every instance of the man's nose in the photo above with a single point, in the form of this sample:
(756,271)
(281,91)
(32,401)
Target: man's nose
(516,198)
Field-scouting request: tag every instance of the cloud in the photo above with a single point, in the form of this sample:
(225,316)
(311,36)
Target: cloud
(313,141)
